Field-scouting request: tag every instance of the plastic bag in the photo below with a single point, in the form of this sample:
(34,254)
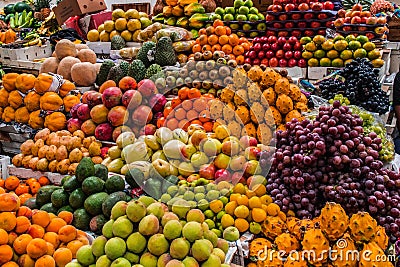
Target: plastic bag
(184,46)
(128,52)
(149,32)
(175,33)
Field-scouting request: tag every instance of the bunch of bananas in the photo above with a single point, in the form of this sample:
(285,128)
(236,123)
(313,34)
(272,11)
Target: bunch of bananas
(22,20)
(32,38)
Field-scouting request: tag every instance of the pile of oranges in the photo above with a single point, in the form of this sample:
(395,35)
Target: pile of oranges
(189,107)
(220,38)
(23,189)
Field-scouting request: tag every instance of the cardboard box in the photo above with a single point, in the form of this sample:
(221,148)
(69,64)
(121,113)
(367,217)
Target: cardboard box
(69,8)
(97,19)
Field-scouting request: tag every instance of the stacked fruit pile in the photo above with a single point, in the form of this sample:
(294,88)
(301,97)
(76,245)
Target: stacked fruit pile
(243,18)
(273,52)
(305,18)
(36,238)
(127,24)
(24,189)
(336,52)
(57,151)
(90,195)
(309,172)
(356,21)
(293,238)
(145,232)
(220,38)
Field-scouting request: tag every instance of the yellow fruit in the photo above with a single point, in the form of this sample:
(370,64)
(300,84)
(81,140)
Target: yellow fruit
(230,207)
(239,188)
(113,33)
(109,26)
(133,25)
(227,220)
(127,35)
(120,24)
(254,202)
(259,189)
(104,36)
(258,215)
(273,209)
(216,205)
(242,211)
(118,13)
(242,225)
(93,36)
(234,197)
(265,199)
(243,200)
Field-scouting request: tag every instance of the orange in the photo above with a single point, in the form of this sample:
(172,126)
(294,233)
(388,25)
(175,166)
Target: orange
(217,23)
(180,114)
(3,237)
(203,39)
(223,39)
(242,225)
(11,183)
(161,122)
(172,123)
(216,47)
(233,39)
(191,115)
(246,46)
(202,31)
(242,211)
(240,60)
(183,92)
(210,30)
(243,40)
(220,30)
(208,126)
(216,205)
(230,207)
(212,39)
(187,105)
(206,47)
(258,215)
(238,50)
(167,111)
(43,180)
(194,93)
(227,49)
(196,48)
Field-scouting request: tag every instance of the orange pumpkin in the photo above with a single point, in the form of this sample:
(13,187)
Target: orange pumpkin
(3,98)
(32,101)
(43,83)
(9,81)
(11,183)
(56,121)
(66,88)
(35,120)
(25,82)
(51,101)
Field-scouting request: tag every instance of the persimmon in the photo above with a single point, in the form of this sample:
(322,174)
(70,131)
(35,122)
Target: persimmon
(21,189)
(36,248)
(238,50)
(3,237)
(172,123)
(206,47)
(191,115)
(187,105)
(217,23)
(202,31)
(196,48)
(21,243)
(227,49)
(66,216)
(23,224)
(8,221)
(210,30)
(180,114)
(203,39)
(161,122)
(216,47)
(208,126)
(41,218)
(240,60)
(228,30)
(175,102)
(24,197)
(243,40)
(212,40)
(246,46)
(194,93)
(223,40)
(183,93)
(167,111)
(34,187)
(220,30)
(233,39)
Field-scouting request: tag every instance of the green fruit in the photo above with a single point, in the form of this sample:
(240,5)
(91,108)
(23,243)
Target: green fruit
(319,54)
(354,45)
(310,47)
(172,229)
(98,246)
(332,54)
(115,248)
(369,46)
(85,256)
(122,227)
(307,54)
(346,54)
(319,39)
(362,39)
(337,63)
(158,244)
(136,243)
(350,38)
(305,40)
(327,45)
(340,45)
(313,62)
(360,53)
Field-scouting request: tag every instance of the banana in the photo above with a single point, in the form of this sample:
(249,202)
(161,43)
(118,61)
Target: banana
(12,23)
(32,43)
(16,19)
(31,22)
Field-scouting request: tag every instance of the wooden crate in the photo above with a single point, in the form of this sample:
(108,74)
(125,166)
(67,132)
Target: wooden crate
(141,7)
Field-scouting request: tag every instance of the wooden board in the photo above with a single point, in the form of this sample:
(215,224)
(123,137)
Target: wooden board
(55,178)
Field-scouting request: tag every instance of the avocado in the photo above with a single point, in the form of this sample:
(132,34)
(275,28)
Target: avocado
(114,184)
(31,203)
(92,185)
(93,204)
(43,196)
(134,177)
(85,169)
(110,201)
(59,198)
(97,223)
(49,208)
(77,198)
(65,208)
(65,178)
(71,184)
(101,171)
(81,219)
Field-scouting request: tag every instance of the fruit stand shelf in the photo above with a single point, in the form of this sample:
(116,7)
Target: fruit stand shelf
(105,47)
(55,178)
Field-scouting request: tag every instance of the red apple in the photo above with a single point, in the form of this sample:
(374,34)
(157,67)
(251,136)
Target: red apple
(207,171)
(292,63)
(296,16)
(261,54)
(302,63)
(270,33)
(277,25)
(317,6)
(362,29)
(363,20)
(264,61)
(321,32)
(264,39)
(288,54)
(297,54)
(370,35)
(297,46)
(290,7)
(322,16)
(222,175)
(355,20)
(328,5)
(276,8)
(276,2)
(329,24)
(347,20)
(281,41)
(338,22)
(347,28)
(247,61)
(308,16)
(266,47)
(280,54)
(303,7)
(252,54)
(315,24)
(272,39)
(292,40)
(257,47)
(256,40)
(287,47)
(283,33)
(273,62)
(270,17)
(275,47)
(356,14)
(309,33)
(269,8)
(296,33)
(341,13)
(302,25)
(283,17)
(256,61)
(269,54)
(283,63)
(289,25)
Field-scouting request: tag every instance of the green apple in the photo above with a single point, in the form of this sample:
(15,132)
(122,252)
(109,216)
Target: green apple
(241,17)
(246,27)
(261,26)
(162,167)
(234,26)
(253,10)
(244,10)
(228,17)
(216,16)
(198,159)
(248,3)
(220,11)
(238,3)
(230,10)
(261,16)
(253,17)
(145,22)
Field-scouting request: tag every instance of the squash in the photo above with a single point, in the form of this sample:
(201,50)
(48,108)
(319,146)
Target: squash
(8,114)
(9,81)
(66,88)
(65,66)
(43,83)
(15,99)
(65,48)
(22,115)
(49,65)
(87,55)
(51,101)
(70,101)
(35,121)
(55,121)
(10,36)
(84,74)
(3,98)
(25,82)
(9,202)
(32,101)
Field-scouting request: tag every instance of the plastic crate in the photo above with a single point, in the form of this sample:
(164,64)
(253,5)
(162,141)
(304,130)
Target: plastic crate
(141,7)
(4,162)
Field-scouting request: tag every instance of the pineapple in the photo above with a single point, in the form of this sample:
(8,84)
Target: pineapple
(286,242)
(381,239)
(273,227)
(282,86)
(284,104)
(362,227)
(334,221)
(344,247)
(314,240)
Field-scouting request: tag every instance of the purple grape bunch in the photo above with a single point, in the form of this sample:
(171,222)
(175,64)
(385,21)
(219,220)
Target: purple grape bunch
(330,159)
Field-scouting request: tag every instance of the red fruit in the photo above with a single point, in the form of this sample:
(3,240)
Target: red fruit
(302,63)
(270,17)
(302,24)
(303,7)
(363,20)
(308,16)
(74,125)
(118,130)
(282,63)
(94,98)
(322,16)
(257,61)
(104,151)
(281,41)
(74,110)
(247,61)
(297,46)
(142,115)
(296,16)
(270,33)
(222,175)
(276,8)
(328,5)
(257,47)
(261,54)
(288,54)
(157,102)
(292,63)
(207,171)
(283,17)
(112,97)
(289,25)
(355,20)
(132,99)
(269,54)
(273,62)
(256,40)
(321,32)
(315,24)
(83,112)
(149,129)
(292,40)
(264,39)
(347,20)
(265,62)
(317,6)
(147,88)
(338,22)
(341,13)
(283,33)
(296,33)
(309,33)
(329,24)
(277,25)
(290,7)
(104,132)
(275,47)
(287,47)
(252,54)
(266,47)
(272,39)
(118,116)
(357,7)
(297,54)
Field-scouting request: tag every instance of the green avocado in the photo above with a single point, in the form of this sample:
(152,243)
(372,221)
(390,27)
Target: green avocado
(93,204)
(92,185)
